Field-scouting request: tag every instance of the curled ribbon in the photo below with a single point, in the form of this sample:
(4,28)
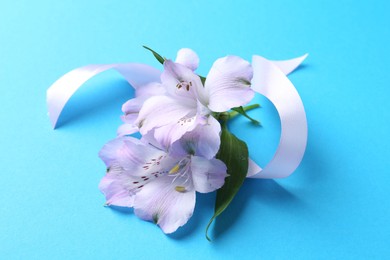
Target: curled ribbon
(269,79)
(63,89)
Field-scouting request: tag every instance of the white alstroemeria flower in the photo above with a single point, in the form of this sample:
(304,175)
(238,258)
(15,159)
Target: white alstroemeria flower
(131,108)
(161,186)
(187,103)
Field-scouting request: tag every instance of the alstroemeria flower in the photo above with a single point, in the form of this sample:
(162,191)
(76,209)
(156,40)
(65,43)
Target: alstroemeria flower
(161,186)
(131,108)
(188,103)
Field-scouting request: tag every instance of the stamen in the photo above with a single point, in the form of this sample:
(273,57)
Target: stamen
(185,84)
(180,188)
(179,166)
(175,169)
(187,179)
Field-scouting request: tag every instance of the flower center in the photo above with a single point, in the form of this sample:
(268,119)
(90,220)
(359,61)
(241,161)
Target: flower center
(181,175)
(184,84)
(185,120)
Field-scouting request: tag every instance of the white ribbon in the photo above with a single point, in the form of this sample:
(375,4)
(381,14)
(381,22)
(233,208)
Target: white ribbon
(63,89)
(269,79)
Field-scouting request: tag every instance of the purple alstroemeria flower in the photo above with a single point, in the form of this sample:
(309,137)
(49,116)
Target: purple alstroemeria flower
(187,103)
(161,186)
(131,108)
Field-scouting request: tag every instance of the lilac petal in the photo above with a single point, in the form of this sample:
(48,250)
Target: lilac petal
(116,191)
(131,111)
(182,83)
(110,150)
(162,110)
(130,156)
(207,175)
(127,129)
(160,202)
(166,135)
(228,83)
(209,138)
(132,107)
(203,141)
(143,160)
(188,58)
(129,118)
(149,139)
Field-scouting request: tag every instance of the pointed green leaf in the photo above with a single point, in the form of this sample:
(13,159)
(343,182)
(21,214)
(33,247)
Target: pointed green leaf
(234,153)
(203,79)
(156,55)
(242,111)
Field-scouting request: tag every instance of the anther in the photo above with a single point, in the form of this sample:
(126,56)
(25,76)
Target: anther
(180,188)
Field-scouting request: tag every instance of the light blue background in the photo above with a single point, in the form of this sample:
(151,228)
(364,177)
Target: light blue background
(334,206)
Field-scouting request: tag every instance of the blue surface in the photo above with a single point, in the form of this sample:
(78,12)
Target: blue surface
(334,206)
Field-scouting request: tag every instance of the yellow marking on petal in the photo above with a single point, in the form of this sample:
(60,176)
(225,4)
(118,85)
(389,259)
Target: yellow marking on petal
(180,188)
(175,169)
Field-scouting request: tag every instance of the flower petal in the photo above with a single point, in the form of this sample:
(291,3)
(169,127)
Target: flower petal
(133,106)
(143,160)
(162,110)
(131,110)
(207,175)
(109,152)
(132,157)
(188,58)
(127,129)
(181,82)
(116,191)
(228,83)
(203,141)
(166,135)
(161,203)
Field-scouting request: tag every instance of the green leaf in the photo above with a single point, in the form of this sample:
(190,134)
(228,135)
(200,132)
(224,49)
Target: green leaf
(203,79)
(156,55)
(234,153)
(242,111)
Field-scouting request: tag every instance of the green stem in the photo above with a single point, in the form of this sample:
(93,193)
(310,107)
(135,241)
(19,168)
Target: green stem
(233,114)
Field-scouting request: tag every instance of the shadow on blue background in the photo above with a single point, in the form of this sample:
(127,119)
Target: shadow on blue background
(267,192)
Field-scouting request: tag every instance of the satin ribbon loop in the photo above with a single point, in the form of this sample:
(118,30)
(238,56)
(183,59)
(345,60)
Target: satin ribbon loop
(269,79)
